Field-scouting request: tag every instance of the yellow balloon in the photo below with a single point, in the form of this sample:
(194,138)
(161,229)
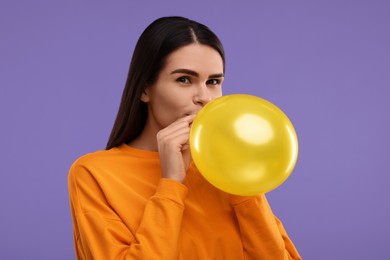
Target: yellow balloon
(243,144)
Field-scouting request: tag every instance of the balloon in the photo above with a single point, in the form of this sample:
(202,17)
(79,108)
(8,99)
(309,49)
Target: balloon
(243,144)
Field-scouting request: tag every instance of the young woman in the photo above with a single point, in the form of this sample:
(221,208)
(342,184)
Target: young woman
(142,197)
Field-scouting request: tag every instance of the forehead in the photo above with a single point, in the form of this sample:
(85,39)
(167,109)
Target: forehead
(196,57)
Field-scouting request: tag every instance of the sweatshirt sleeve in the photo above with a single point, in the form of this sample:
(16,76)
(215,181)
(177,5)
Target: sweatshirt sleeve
(262,233)
(100,234)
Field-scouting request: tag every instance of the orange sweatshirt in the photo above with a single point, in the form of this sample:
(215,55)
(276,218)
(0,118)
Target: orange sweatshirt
(123,209)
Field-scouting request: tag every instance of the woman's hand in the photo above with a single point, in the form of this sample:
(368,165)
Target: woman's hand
(173,147)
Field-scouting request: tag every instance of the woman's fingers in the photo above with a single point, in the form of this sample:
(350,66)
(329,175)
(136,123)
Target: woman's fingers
(177,133)
(183,122)
(173,148)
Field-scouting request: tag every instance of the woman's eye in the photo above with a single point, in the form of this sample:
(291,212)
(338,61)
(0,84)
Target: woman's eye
(213,82)
(184,80)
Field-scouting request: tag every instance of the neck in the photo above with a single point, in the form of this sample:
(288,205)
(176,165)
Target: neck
(147,139)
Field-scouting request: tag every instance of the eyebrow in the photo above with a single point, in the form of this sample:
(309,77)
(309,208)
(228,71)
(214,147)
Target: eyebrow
(196,74)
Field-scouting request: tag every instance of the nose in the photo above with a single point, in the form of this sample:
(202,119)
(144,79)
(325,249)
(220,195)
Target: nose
(202,96)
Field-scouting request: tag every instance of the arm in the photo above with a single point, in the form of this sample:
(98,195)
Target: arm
(262,233)
(101,234)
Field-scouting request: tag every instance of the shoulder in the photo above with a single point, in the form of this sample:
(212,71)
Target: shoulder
(94,160)
(115,164)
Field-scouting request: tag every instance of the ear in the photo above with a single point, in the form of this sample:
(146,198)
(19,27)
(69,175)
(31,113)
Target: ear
(145,96)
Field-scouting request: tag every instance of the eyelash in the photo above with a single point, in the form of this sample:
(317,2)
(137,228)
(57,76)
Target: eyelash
(187,80)
(181,80)
(217,82)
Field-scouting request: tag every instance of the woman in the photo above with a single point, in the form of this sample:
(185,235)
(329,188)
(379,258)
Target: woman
(142,197)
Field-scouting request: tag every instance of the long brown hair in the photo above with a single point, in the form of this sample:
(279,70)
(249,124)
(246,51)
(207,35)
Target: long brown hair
(159,39)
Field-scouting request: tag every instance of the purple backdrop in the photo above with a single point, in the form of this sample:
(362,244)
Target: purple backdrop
(63,65)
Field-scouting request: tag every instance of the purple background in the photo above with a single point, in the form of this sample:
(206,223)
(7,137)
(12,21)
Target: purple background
(63,65)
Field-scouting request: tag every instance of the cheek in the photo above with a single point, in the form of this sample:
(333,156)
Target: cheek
(170,101)
(216,93)
(168,108)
